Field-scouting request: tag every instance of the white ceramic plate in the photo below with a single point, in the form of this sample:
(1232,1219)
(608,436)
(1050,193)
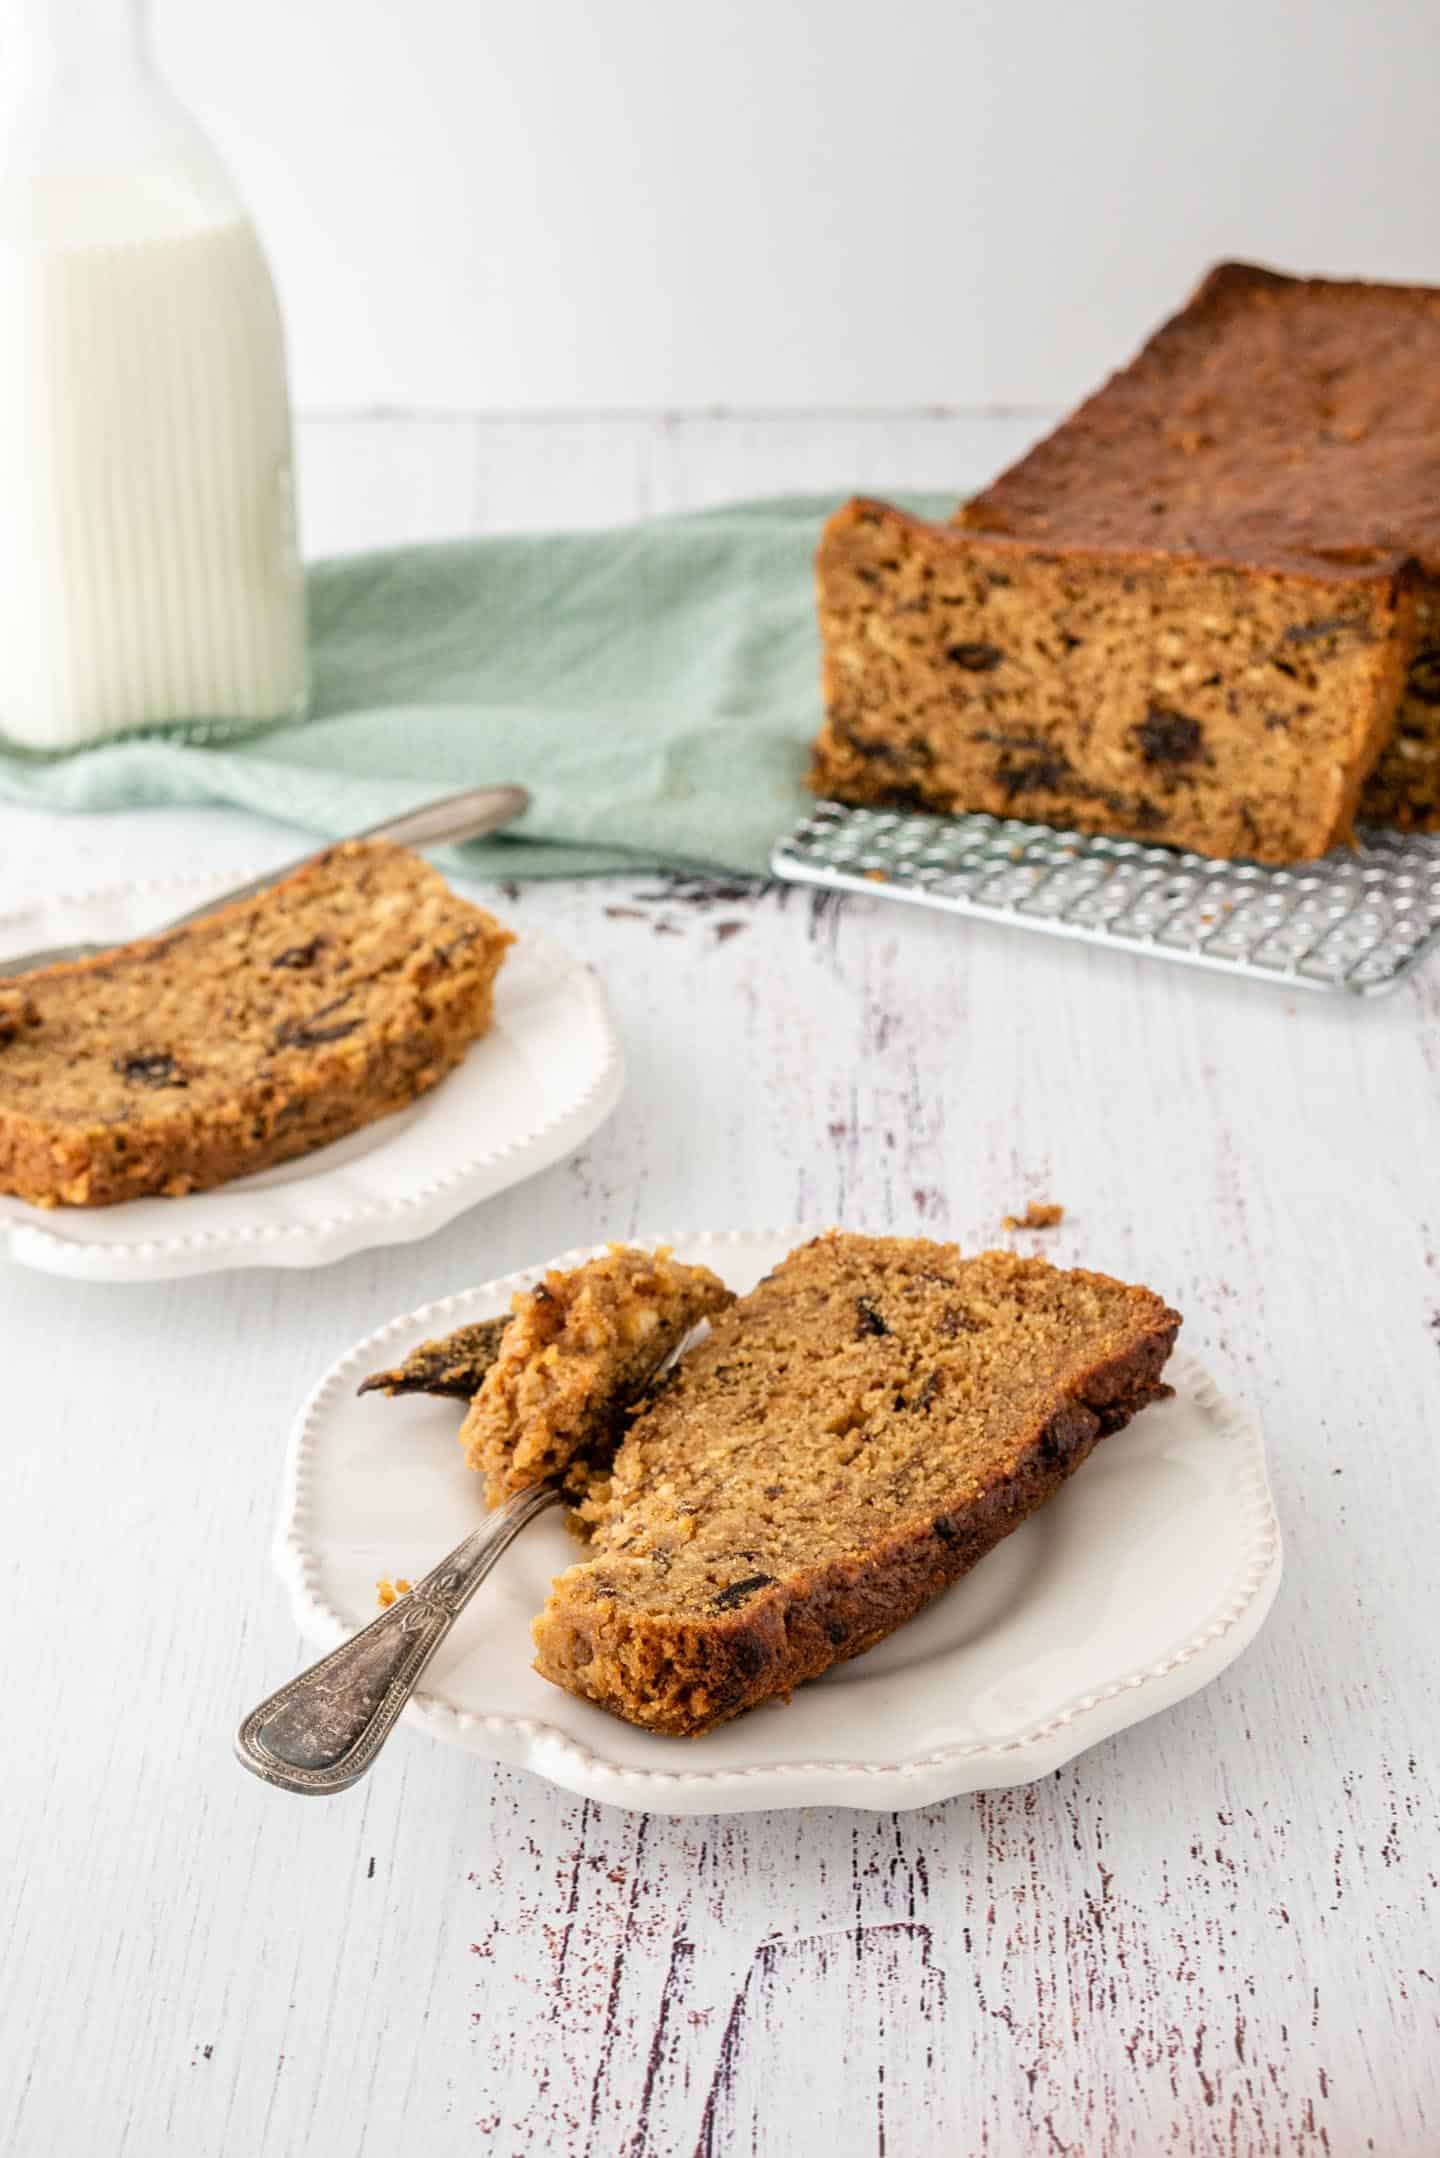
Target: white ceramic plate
(549,1071)
(1148,1573)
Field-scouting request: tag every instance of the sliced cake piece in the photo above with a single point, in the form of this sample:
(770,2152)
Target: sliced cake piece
(579,1350)
(845,1442)
(265,1030)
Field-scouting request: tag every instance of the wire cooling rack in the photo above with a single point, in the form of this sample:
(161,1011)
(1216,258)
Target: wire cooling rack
(1357,921)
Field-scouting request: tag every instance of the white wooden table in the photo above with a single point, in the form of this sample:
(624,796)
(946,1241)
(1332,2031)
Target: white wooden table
(1217,1933)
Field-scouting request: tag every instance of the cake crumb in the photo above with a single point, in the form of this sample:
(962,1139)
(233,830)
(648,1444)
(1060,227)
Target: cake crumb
(1039,1214)
(389,1592)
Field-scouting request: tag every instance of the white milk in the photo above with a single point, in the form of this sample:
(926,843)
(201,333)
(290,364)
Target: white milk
(148,567)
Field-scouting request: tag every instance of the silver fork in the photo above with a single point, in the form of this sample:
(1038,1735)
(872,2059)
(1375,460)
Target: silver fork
(321,1732)
(452,818)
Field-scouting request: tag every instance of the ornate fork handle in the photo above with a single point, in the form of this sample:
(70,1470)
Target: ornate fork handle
(321,1732)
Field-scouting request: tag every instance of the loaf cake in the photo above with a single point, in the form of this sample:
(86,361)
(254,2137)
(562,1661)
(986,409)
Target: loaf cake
(267,1029)
(844,1442)
(579,1348)
(1204,611)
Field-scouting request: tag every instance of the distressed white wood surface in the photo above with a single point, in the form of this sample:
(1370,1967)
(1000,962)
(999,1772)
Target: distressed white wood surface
(1216,1933)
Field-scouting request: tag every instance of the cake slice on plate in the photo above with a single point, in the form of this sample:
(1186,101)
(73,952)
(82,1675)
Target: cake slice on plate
(846,1441)
(254,1035)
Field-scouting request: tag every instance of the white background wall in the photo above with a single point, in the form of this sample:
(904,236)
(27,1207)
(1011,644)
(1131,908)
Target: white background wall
(519,205)
(530,204)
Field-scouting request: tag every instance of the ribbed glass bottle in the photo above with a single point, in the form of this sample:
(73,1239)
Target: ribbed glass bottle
(148,567)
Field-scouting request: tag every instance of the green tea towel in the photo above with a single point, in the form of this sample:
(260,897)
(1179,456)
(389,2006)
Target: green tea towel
(655,689)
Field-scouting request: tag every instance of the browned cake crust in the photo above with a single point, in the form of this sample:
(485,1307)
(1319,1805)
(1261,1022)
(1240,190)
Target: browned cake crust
(1199,612)
(453,1366)
(848,1439)
(270,1028)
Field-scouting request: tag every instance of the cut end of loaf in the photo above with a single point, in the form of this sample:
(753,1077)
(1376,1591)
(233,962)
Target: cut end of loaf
(1234,711)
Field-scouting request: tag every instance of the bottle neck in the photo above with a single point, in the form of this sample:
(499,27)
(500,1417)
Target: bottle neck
(90,107)
(75,43)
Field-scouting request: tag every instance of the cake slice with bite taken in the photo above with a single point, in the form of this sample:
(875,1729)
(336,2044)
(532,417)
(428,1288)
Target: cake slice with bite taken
(845,1442)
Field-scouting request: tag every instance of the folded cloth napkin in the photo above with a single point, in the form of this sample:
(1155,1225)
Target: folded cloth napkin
(655,689)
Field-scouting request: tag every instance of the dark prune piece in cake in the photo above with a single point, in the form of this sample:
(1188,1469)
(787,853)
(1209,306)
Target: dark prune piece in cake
(975,658)
(318,1029)
(150,1067)
(739,1592)
(300,956)
(1166,737)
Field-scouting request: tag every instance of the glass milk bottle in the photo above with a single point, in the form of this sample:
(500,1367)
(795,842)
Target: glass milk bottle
(148,566)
